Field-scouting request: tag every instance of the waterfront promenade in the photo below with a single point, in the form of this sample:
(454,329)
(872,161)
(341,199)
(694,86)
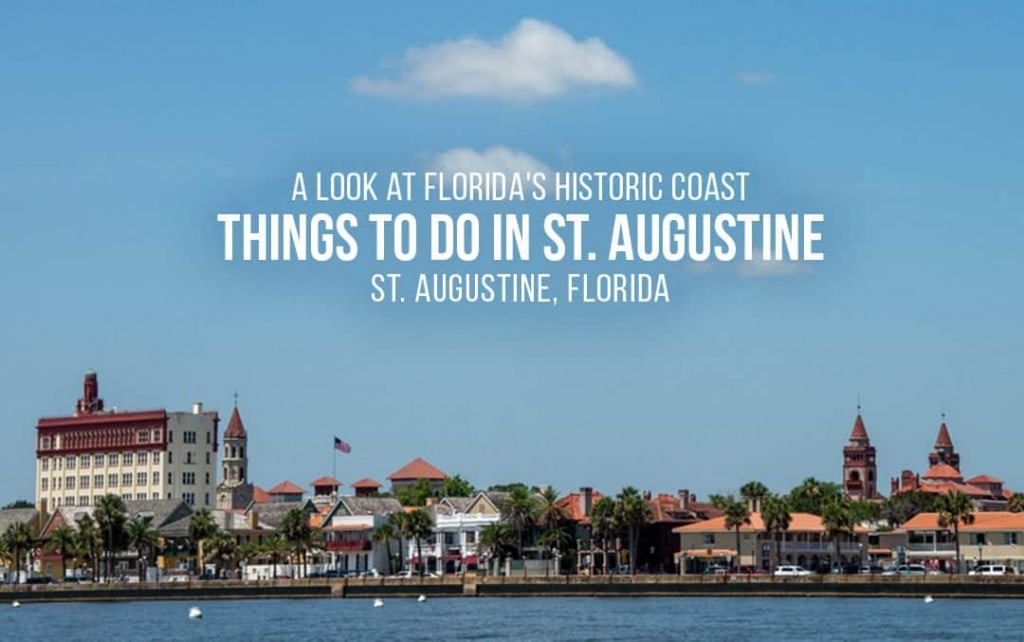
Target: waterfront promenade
(565,586)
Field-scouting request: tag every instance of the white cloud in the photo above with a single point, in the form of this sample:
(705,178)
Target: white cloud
(536,60)
(755,77)
(493,159)
(759,268)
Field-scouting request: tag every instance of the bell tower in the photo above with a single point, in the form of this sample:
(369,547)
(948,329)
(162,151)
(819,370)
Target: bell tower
(234,491)
(860,470)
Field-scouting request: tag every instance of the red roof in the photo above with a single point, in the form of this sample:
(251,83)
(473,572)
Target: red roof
(859,432)
(260,496)
(326,481)
(418,468)
(366,482)
(943,440)
(984,479)
(235,428)
(943,471)
(573,508)
(286,488)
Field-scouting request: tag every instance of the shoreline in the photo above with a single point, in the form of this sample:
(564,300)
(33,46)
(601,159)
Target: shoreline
(651,586)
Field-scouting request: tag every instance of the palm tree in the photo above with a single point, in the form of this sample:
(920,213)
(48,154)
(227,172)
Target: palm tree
(201,527)
(110,516)
(5,552)
(397,522)
(90,543)
(837,519)
(65,540)
(518,514)
(296,531)
(604,525)
(275,547)
(754,492)
(737,515)
(495,541)
(632,512)
(776,518)
(553,539)
(144,539)
(955,508)
(245,552)
(221,549)
(18,537)
(418,526)
(383,536)
(1016,503)
(546,512)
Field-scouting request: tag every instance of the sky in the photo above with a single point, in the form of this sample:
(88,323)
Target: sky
(128,127)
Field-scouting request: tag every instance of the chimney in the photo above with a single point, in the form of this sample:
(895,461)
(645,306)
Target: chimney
(647,495)
(684,499)
(197,408)
(586,500)
(894,485)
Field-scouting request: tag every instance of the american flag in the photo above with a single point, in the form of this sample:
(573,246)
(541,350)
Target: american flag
(341,445)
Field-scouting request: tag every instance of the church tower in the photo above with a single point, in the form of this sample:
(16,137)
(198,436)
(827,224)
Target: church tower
(944,453)
(860,471)
(234,491)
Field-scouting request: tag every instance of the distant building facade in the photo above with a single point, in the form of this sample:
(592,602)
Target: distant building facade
(860,469)
(144,455)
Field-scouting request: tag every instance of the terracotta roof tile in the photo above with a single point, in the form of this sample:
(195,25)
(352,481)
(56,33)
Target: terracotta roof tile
(799,522)
(235,427)
(943,440)
(987,520)
(326,480)
(572,505)
(418,468)
(984,479)
(260,496)
(859,433)
(286,488)
(943,471)
(366,482)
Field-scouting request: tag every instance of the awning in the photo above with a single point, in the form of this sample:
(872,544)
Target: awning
(879,551)
(471,559)
(703,552)
(348,527)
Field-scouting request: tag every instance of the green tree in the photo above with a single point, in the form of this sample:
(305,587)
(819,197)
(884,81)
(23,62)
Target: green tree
(865,511)
(143,538)
(246,552)
(383,535)
(19,540)
(296,531)
(776,517)
(110,515)
(510,487)
(456,487)
(496,540)
(552,539)
(605,526)
(899,508)
(1015,503)
(19,503)
(517,513)
(837,519)
(221,548)
(398,522)
(415,494)
(275,548)
(419,526)
(90,543)
(737,515)
(812,496)
(955,508)
(62,539)
(546,511)
(754,492)
(201,527)
(632,513)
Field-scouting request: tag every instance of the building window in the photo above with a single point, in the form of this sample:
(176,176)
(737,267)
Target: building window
(113,459)
(45,443)
(97,460)
(58,463)
(170,436)
(127,497)
(83,482)
(156,458)
(143,436)
(44,485)
(207,478)
(143,459)
(156,437)
(156,495)
(170,458)
(44,463)
(69,483)
(140,480)
(190,498)
(207,441)
(140,496)
(170,477)
(70,463)
(83,462)
(97,481)
(188,457)
(979,539)
(188,479)
(709,539)
(56,483)
(1010,538)
(126,479)
(69,501)
(127,459)
(207,499)
(207,458)
(112,480)
(189,437)
(83,500)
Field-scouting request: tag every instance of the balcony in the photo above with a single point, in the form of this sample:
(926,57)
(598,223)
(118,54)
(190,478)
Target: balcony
(932,547)
(846,548)
(348,546)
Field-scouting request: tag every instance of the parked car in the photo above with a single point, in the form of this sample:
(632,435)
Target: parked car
(906,569)
(871,569)
(791,571)
(993,569)
(751,570)
(714,569)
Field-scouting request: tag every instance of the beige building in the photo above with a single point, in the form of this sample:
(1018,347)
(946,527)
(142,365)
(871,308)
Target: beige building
(995,537)
(143,455)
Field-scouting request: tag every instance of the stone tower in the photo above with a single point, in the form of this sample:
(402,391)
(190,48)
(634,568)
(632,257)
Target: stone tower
(860,471)
(944,453)
(234,491)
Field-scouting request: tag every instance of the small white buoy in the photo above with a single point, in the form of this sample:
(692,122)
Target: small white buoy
(16,604)
(928,599)
(378,603)
(421,598)
(195,613)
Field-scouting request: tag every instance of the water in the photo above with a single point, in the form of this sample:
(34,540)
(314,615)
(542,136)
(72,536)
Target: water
(524,619)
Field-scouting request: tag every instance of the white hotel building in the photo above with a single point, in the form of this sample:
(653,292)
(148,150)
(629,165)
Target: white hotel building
(151,454)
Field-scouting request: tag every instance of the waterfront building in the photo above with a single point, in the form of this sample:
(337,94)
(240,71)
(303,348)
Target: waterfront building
(138,455)
(348,534)
(995,537)
(860,469)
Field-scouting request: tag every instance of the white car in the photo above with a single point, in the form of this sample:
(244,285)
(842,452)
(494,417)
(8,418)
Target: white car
(791,571)
(993,569)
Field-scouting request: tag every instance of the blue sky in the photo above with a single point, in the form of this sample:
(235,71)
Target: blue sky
(126,129)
